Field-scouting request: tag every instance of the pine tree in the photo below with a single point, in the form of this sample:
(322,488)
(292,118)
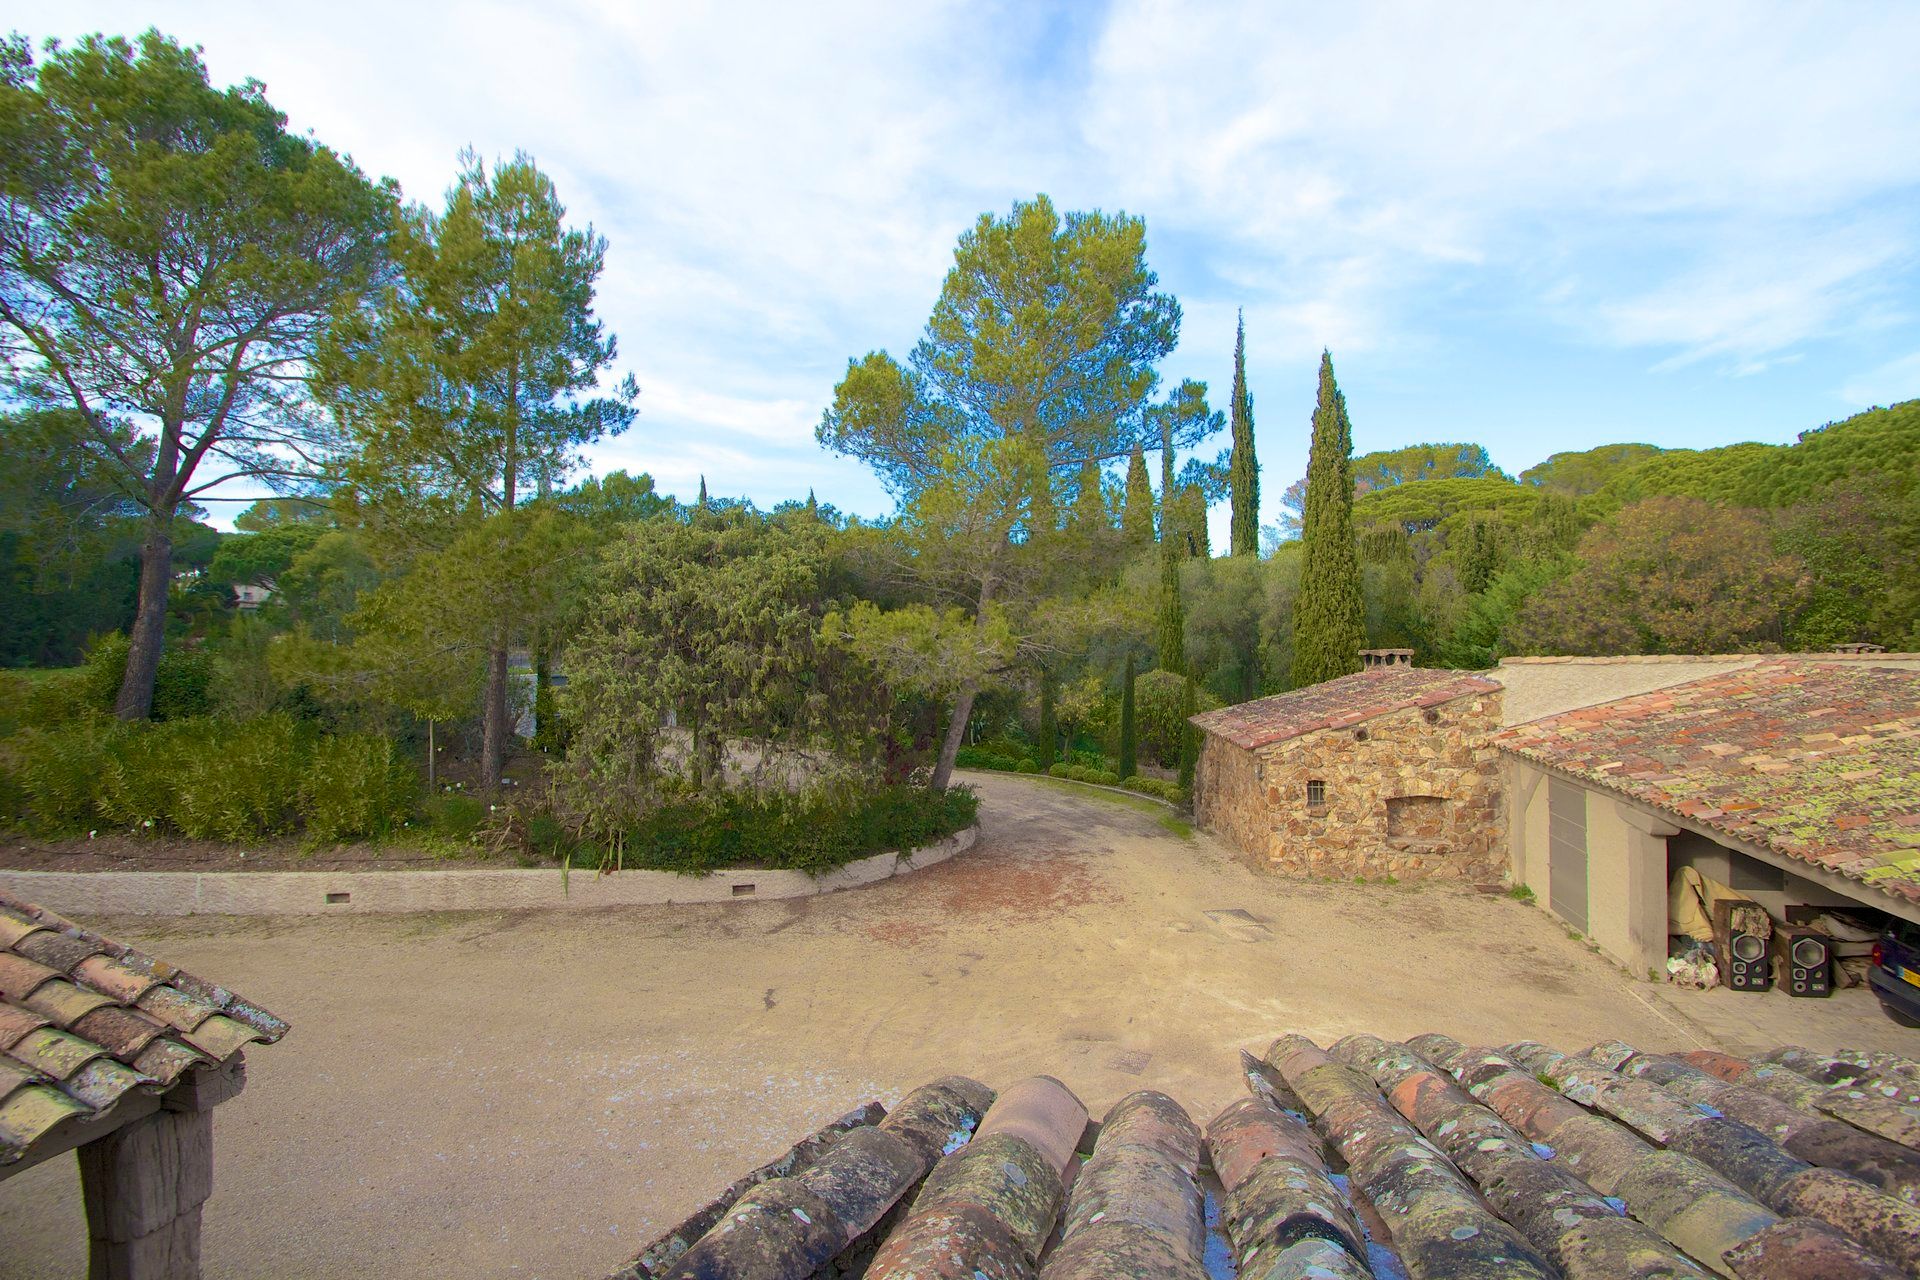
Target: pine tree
(1090,499)
(1329,620)
(1171,639)
(1244,476)
(1136,519)
(1049,726)
(1128,747)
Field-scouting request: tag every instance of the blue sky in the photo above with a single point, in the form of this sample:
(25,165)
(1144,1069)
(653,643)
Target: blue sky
(1538,227)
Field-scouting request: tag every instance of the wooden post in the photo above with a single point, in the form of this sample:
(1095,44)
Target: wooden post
(143,1185)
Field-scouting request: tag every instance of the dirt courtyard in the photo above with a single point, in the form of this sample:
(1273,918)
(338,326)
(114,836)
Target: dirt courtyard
(538,1094)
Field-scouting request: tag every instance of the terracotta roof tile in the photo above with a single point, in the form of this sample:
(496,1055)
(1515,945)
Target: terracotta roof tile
(1429,1158)
(1813,760)
(1343,702)
(85,1021)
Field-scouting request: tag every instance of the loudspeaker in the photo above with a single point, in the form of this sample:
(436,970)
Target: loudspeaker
(1743,932)
(1806,961)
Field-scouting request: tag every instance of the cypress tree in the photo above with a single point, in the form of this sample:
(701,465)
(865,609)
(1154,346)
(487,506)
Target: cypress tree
(703,493)
(1329,622)
(1128,747)
(1049,728)
(1171,639)
(1244,475)
(1136,519)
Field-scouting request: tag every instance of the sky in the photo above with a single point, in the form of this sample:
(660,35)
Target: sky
(1535,227)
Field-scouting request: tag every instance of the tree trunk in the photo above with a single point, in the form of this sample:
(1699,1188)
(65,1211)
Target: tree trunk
(149,623)
(494,730)
(956,730)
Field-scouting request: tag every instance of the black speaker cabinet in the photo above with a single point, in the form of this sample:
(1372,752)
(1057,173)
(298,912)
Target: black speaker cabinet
(1806,961)
(1743,936)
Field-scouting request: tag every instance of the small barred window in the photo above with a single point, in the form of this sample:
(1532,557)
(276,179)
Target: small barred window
(1316,792)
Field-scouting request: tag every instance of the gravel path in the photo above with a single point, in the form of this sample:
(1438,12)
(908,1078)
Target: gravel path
(537,1094)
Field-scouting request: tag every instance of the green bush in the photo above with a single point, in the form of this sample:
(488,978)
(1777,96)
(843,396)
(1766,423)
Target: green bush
(812,832)
(455,816)
(549,836)
(353,787)
(980,757)
(57,771)
(1164,788)
(244,783)
(139,769)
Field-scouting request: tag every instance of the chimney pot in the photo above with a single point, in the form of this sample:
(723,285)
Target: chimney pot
(1380,659)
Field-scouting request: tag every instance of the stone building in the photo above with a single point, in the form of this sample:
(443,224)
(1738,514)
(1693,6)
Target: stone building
(1389,771)
(1792,779)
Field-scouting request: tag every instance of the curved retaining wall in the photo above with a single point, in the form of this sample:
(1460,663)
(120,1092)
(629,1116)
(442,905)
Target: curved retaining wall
(295,893)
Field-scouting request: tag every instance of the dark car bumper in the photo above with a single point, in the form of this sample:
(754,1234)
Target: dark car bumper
(1894,990)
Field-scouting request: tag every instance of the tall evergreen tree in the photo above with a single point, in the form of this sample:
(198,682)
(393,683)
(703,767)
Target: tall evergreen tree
(1329,620)
(1136,518)
(1189,737)
(1049,724)
(476,374)
(703,493)
(1244,477)
(1171,639)
(1129,745)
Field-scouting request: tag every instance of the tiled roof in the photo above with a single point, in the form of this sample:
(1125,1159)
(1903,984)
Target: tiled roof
(86,1022)
(1339,703)
(1424,1159)
(1819,761)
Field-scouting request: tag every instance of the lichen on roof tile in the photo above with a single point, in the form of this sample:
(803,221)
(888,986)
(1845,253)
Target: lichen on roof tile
(1343,702)
(1816,761)
(86,1021)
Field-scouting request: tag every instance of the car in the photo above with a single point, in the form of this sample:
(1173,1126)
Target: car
(1895,972)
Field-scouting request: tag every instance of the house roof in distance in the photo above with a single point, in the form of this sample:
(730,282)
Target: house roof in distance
(1818,761)
(1369,1158)
(1339,703)
(87,1023)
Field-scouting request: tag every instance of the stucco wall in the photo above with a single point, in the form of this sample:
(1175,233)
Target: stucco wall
(1540,687)
(1258,800)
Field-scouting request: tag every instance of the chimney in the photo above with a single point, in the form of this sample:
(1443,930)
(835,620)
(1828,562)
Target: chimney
(1859,647)
(1382,659)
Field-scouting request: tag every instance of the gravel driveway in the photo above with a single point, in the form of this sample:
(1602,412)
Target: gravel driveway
(537,1094)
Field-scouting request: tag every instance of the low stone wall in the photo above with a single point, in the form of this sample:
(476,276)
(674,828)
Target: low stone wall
(290,893)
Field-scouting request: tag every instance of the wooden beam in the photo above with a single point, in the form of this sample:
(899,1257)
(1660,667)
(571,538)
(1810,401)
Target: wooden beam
(143,1185)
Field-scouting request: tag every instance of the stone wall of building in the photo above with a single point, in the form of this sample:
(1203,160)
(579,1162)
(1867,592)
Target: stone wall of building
(1414,794)
(1228,799)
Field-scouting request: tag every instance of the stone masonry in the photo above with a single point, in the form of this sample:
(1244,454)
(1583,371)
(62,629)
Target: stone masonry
(1412,792)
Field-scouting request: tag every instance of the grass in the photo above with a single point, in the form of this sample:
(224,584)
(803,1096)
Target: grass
(1170,819)
(1520,893)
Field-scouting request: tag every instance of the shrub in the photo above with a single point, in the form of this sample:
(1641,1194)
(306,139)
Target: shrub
(56,771)
(812,832)
(1164,788)
(244,782)
(549,836)
(1059,769)
(139,768)
(354,787)
(1026,766)
(455,816)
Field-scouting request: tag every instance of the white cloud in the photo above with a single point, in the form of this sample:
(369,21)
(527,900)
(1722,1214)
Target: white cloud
(1891,383)
(1717,183)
